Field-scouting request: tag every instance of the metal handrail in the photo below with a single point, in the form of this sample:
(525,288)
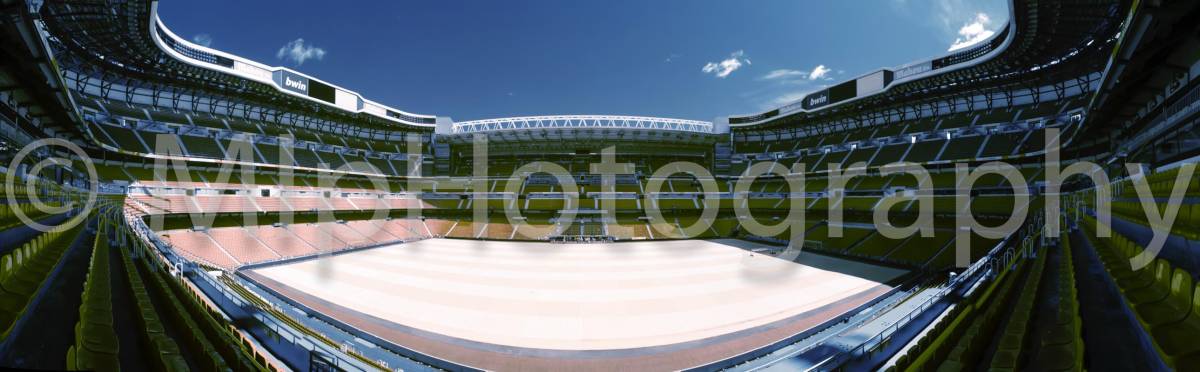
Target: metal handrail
(987,262)
(1186,105)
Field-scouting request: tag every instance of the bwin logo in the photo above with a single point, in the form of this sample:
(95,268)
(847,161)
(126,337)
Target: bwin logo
(296,84)
(818,100)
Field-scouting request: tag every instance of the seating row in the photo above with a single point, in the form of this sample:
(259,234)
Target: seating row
(1061,348)
(24,270)
(164,353)
(973,346)
(96,346)
(956,340)
(1162,183)
(210,342)
(1164,298)
(1187,219)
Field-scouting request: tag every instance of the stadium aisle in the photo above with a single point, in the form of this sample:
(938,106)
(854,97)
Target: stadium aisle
(1112,335)
(169,328)
(1046,308)
(994,346)
(124,320)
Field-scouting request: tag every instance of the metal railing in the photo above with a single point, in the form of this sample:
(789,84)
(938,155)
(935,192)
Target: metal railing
(1188,104)
(284,331)
(1002,252)
(867,346)
(295,337)
(582,121)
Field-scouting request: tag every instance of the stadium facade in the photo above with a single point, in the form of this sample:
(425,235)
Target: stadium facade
(1028,202)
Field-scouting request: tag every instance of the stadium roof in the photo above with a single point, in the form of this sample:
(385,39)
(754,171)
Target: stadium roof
(583,121)
(124,45)
(1138,111)
(1044,44)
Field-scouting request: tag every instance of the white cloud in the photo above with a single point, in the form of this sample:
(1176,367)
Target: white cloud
(951,11)
(297,52)
(784,74)
(671,58)
(973,32)
(819,72)
(787,98)
(728,66)
(202,39)
(790,85)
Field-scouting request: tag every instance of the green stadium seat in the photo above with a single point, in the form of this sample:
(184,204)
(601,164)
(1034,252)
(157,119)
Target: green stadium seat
(1190,362)
(1190,226)
(1117,259)
(1004,360)
(1135,280)
(72,363)
(1156,290)
(951,365)
(1061,334)
(1059,357)
(1010,341)
(202,147)
(96,338)
(1180,337)
(962,148)
(1175,307)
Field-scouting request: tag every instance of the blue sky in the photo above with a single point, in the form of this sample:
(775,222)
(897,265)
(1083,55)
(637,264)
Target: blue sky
(694,59)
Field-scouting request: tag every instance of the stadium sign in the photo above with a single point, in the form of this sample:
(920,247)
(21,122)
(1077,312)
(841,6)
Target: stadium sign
(755,118)
(816,100)
(294,84)
(913,69)
(792,107)
(292,81)
(832,95)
